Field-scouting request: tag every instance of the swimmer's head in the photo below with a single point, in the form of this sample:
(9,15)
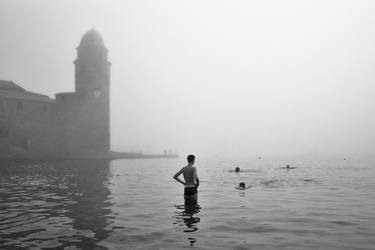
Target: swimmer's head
(242,185)
(191,159)
(237,169)
(287,166)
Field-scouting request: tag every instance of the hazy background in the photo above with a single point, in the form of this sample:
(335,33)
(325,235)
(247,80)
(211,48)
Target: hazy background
(210,77)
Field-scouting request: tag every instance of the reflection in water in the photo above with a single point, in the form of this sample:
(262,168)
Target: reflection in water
(88,205)
(186,218)
(54,204)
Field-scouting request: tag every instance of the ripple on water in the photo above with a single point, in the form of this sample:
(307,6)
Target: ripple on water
(130,205)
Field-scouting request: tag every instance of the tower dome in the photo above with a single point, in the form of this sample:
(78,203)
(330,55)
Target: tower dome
(92,37)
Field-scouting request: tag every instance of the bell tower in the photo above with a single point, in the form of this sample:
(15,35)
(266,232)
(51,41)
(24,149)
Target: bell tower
(92,90)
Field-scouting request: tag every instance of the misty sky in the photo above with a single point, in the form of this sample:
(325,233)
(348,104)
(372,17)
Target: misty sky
(211,77)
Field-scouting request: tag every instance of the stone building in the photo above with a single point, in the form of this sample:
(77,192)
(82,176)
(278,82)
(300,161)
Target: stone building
(26,122)
(83,116)
(75,124)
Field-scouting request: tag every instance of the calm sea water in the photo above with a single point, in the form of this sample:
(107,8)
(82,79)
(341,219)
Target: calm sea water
(135,204)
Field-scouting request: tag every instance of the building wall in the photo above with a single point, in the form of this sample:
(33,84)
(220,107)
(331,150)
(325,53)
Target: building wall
(4,134)
(27,128)
(80,125)
(26,108)
(66,131)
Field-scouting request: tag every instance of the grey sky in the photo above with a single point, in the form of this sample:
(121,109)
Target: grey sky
(232,77)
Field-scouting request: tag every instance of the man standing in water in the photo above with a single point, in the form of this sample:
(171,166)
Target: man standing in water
(191,182)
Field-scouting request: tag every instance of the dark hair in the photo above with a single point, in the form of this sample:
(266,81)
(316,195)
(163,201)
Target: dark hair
(237,169)
(242,185)
(190,158)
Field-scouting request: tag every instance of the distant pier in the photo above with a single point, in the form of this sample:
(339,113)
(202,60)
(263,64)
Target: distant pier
(87,156)
(122,155)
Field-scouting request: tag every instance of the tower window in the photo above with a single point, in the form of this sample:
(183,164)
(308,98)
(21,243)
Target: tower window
(19,107)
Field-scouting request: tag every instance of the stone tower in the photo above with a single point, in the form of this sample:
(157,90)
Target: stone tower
(83,116)
(92,87)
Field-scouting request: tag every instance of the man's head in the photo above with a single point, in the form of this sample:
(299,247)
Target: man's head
(237,169)
(191,159)
(242,185)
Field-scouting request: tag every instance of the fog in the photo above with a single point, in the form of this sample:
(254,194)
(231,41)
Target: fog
(211,77)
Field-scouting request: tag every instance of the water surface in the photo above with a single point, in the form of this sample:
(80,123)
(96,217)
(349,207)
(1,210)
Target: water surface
(135,204)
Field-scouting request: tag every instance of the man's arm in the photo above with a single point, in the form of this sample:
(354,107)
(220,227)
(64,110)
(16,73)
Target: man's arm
(178,179)
(196,177)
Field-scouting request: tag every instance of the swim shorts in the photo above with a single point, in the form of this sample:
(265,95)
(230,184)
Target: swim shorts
(190,190)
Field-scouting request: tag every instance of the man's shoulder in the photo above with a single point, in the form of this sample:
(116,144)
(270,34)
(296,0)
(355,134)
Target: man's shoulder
(184,168)
(188,168)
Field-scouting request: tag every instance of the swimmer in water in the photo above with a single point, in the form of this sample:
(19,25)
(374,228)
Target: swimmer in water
(237,169)
(242,186)
(288,167)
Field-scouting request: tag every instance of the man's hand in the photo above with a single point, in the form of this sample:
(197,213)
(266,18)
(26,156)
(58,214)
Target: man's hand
(180,181)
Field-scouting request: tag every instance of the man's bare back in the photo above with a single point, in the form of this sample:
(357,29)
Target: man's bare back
(190,176)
